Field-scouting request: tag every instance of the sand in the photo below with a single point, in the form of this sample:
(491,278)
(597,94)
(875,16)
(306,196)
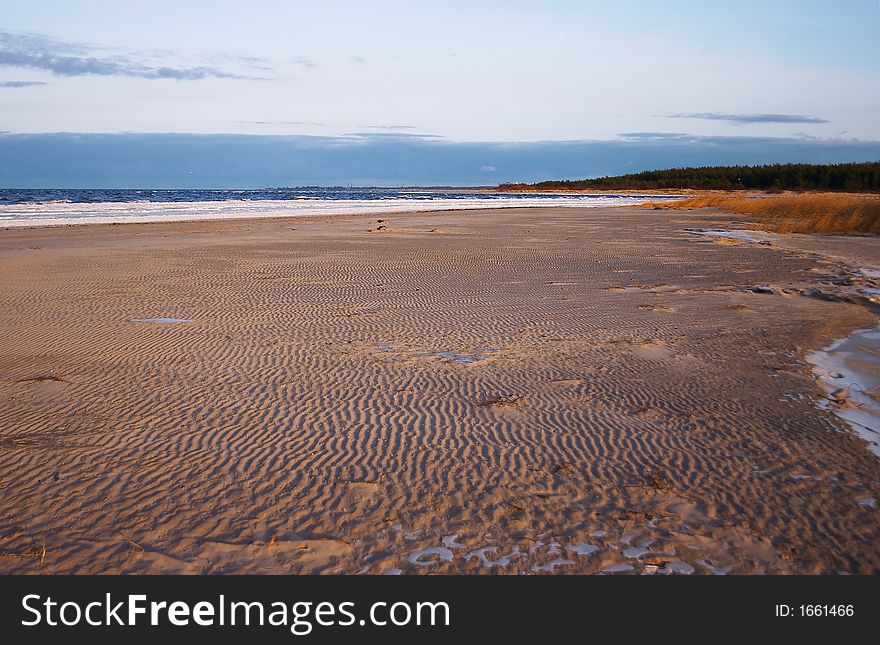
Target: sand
(518,391)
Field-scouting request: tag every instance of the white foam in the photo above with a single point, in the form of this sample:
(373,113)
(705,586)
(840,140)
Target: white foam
(65,213)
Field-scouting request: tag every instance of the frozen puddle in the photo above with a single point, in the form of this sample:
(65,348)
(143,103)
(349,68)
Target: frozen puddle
(449,541)
(849,372)
(447,356)
(427,557)
(677,567)
(742,236)
(638,551)
(160,321)
(583,548)
(460,358)
(550,566)
(870,293)
(501,561)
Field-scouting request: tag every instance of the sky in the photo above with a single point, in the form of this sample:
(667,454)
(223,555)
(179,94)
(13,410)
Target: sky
(406,92)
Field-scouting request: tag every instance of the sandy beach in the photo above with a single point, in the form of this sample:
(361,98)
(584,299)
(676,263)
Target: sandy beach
(493,391)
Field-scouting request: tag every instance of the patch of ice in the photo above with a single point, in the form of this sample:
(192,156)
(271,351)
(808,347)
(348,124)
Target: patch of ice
(502,561)
(583,548)
(550,566)
(870,293)
(851,364)
(160,321)
(618,568)
(718,571)
(742,236)
(417,557)
(678,567)
(449,542)
(638,551)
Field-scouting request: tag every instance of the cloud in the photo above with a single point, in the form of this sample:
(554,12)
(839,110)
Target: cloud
(304,61)
(152,160)
(21,83)
(652,136)
(392,136)
(488,169)
(36,51)
(740,119)
(311,123)
(390,130)
(388,127)
(357,59)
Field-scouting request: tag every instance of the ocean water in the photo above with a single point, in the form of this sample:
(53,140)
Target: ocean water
(25,207)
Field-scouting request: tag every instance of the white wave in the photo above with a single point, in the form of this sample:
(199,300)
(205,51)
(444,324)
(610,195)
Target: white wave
(66,213)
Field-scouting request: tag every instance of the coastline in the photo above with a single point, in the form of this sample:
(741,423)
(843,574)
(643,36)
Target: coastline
(521,390)
(28,214)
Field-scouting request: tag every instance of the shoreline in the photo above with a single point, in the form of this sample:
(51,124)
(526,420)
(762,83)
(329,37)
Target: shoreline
(454,393)
(50,214)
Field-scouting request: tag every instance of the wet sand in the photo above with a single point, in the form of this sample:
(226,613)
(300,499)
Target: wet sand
(526,390)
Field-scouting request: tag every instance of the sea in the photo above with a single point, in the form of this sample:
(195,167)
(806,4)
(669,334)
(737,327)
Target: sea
(51,207)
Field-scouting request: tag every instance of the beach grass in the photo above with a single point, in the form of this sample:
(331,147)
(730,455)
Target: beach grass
(794,213)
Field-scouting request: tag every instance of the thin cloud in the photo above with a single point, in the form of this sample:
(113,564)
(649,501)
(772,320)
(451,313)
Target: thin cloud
(235,160)
(36,51)
(311,123)
(388,127)
(652,136)
(393,136)
(391,130)
(357,59)
(21,83)
(304,61)
(741,119)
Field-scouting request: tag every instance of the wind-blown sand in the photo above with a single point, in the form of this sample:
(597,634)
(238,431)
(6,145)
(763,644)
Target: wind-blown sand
(526,390)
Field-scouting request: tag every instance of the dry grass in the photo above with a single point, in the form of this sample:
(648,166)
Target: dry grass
(795,213)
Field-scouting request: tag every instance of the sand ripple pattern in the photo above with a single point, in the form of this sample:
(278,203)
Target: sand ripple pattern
(538,391)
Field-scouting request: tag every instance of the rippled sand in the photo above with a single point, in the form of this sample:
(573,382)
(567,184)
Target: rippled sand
(529,390)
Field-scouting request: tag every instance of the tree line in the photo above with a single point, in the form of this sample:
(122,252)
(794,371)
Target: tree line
(843,177)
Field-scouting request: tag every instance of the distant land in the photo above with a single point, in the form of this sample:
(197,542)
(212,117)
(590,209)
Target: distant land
(841,177)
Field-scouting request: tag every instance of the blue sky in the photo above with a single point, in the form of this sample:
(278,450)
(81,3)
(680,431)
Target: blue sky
(744,81)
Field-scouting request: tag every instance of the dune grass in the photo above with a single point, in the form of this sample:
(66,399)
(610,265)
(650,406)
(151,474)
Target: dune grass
(794,213)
